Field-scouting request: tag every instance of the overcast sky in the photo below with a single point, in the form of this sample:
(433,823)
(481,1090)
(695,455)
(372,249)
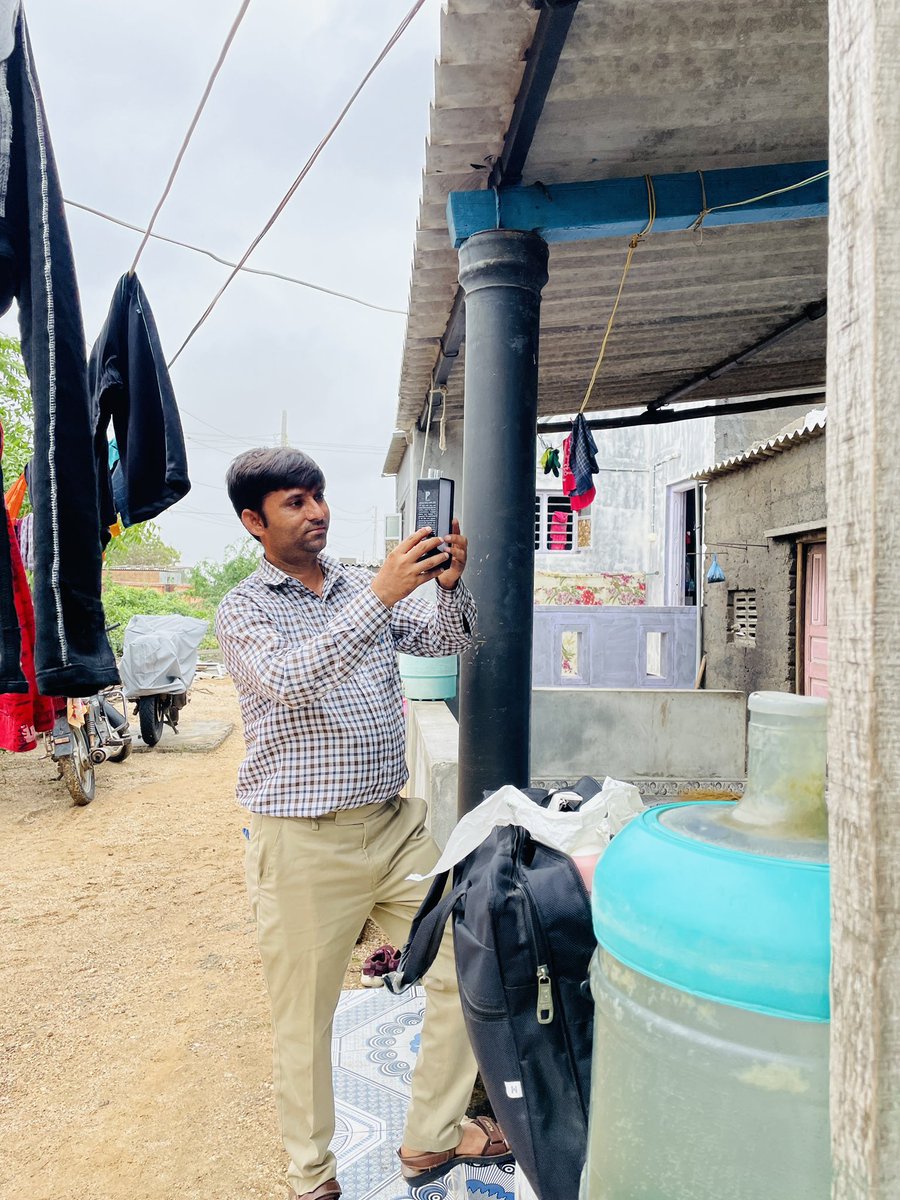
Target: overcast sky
(121,81)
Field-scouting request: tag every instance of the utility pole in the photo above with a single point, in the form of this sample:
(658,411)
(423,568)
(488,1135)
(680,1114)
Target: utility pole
(284,431)
(375,534)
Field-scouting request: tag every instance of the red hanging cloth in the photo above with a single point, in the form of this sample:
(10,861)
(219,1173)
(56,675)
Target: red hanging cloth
(22,717)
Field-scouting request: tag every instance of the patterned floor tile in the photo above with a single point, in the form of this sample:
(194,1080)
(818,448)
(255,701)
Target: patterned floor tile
(376,1040)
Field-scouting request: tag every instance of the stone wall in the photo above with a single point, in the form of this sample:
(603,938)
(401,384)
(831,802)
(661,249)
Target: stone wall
(781,492)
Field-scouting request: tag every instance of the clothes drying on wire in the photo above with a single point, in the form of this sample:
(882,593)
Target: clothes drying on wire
(72,653)
(582,463)
(130,387)
(568,479)
(559,530)
(23,712)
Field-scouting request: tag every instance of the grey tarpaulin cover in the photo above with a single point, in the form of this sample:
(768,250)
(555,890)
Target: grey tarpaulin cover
(160,655)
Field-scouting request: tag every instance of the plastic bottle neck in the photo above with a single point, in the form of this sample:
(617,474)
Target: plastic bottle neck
(785,794)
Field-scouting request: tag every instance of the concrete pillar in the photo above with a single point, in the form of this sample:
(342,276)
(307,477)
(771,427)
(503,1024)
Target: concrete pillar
(864,595)
(502,272)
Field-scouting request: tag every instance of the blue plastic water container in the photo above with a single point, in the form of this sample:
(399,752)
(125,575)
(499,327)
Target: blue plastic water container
(711,985)
(428,678)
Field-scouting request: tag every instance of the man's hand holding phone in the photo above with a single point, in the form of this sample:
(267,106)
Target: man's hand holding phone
(405,568)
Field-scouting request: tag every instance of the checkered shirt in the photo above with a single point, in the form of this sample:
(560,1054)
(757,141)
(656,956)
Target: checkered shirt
(319,686)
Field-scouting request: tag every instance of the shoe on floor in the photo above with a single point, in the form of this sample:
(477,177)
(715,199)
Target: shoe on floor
(424,1168)
(377,965)
(329,1190)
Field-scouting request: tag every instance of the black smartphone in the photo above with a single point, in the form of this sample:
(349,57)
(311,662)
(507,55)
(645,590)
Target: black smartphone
(434,508)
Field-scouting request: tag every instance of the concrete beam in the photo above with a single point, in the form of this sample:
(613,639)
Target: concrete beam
(613,208)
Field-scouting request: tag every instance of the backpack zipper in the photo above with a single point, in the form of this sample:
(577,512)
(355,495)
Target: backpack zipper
(545,1006)
(545,996)
(542,960)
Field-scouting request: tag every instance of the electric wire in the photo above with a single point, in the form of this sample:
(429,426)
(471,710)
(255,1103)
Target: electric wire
(307,167)
(249,443)
(223,53)
(225,262)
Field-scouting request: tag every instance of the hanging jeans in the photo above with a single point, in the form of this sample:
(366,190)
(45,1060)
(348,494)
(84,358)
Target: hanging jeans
(72,653)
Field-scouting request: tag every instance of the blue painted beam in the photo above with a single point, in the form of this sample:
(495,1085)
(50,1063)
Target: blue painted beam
(613,208)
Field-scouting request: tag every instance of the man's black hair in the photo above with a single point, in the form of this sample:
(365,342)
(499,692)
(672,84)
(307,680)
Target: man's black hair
(255,473)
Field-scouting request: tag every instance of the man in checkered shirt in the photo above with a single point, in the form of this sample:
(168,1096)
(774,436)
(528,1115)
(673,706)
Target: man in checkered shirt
(312,647)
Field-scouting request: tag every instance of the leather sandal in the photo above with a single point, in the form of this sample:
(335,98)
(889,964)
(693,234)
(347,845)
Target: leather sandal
(329,1190)
(423,1168)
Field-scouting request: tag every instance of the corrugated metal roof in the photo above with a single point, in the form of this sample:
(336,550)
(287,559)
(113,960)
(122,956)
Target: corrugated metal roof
(639,89)
(813,426)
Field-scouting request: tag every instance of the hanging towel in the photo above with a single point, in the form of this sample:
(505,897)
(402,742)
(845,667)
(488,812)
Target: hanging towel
(583,464)
(72,653)
(559,530)
(130,386)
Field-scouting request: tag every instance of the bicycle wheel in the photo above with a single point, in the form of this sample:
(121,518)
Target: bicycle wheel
(78,770)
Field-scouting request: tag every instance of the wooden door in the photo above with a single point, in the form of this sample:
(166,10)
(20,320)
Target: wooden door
(815,623)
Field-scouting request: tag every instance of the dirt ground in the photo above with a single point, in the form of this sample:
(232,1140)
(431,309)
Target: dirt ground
(134,1027)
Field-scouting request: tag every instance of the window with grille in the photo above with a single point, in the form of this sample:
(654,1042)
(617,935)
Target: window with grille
(742,617)
(555,525)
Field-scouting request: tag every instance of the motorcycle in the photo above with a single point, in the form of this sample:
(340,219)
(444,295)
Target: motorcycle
(88,732)
(159,661)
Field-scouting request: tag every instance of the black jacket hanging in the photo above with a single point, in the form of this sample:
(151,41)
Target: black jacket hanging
(130,385)
(72,653)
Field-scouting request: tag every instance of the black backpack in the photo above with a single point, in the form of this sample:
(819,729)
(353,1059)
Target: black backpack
(523,939)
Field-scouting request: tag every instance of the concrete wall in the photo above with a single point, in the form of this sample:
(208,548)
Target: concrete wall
(614,646)
(669,743)
(638,734)
(774,493)
(432,747)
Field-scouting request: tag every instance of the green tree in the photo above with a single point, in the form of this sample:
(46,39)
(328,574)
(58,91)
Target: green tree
(16,410)
(211,580)
(141,546)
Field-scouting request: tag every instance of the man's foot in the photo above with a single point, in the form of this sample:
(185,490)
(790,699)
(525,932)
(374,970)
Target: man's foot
(482,1143)
(329,1190)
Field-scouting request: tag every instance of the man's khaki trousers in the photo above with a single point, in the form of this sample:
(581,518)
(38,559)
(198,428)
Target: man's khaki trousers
(312,883)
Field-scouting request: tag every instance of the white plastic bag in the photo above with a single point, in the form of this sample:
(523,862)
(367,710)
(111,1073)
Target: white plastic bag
(582,833)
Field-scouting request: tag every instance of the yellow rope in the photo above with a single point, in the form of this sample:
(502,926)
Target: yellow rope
(632,246)
(791,187)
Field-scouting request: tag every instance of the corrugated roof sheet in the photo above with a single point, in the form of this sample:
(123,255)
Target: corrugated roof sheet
(639,89)
(813,426)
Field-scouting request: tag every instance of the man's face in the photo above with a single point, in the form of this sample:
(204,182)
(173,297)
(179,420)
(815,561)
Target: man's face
(296,520)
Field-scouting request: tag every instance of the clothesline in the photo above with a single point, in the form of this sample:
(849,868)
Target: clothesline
(304,171)
(148,232)
(225,262)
